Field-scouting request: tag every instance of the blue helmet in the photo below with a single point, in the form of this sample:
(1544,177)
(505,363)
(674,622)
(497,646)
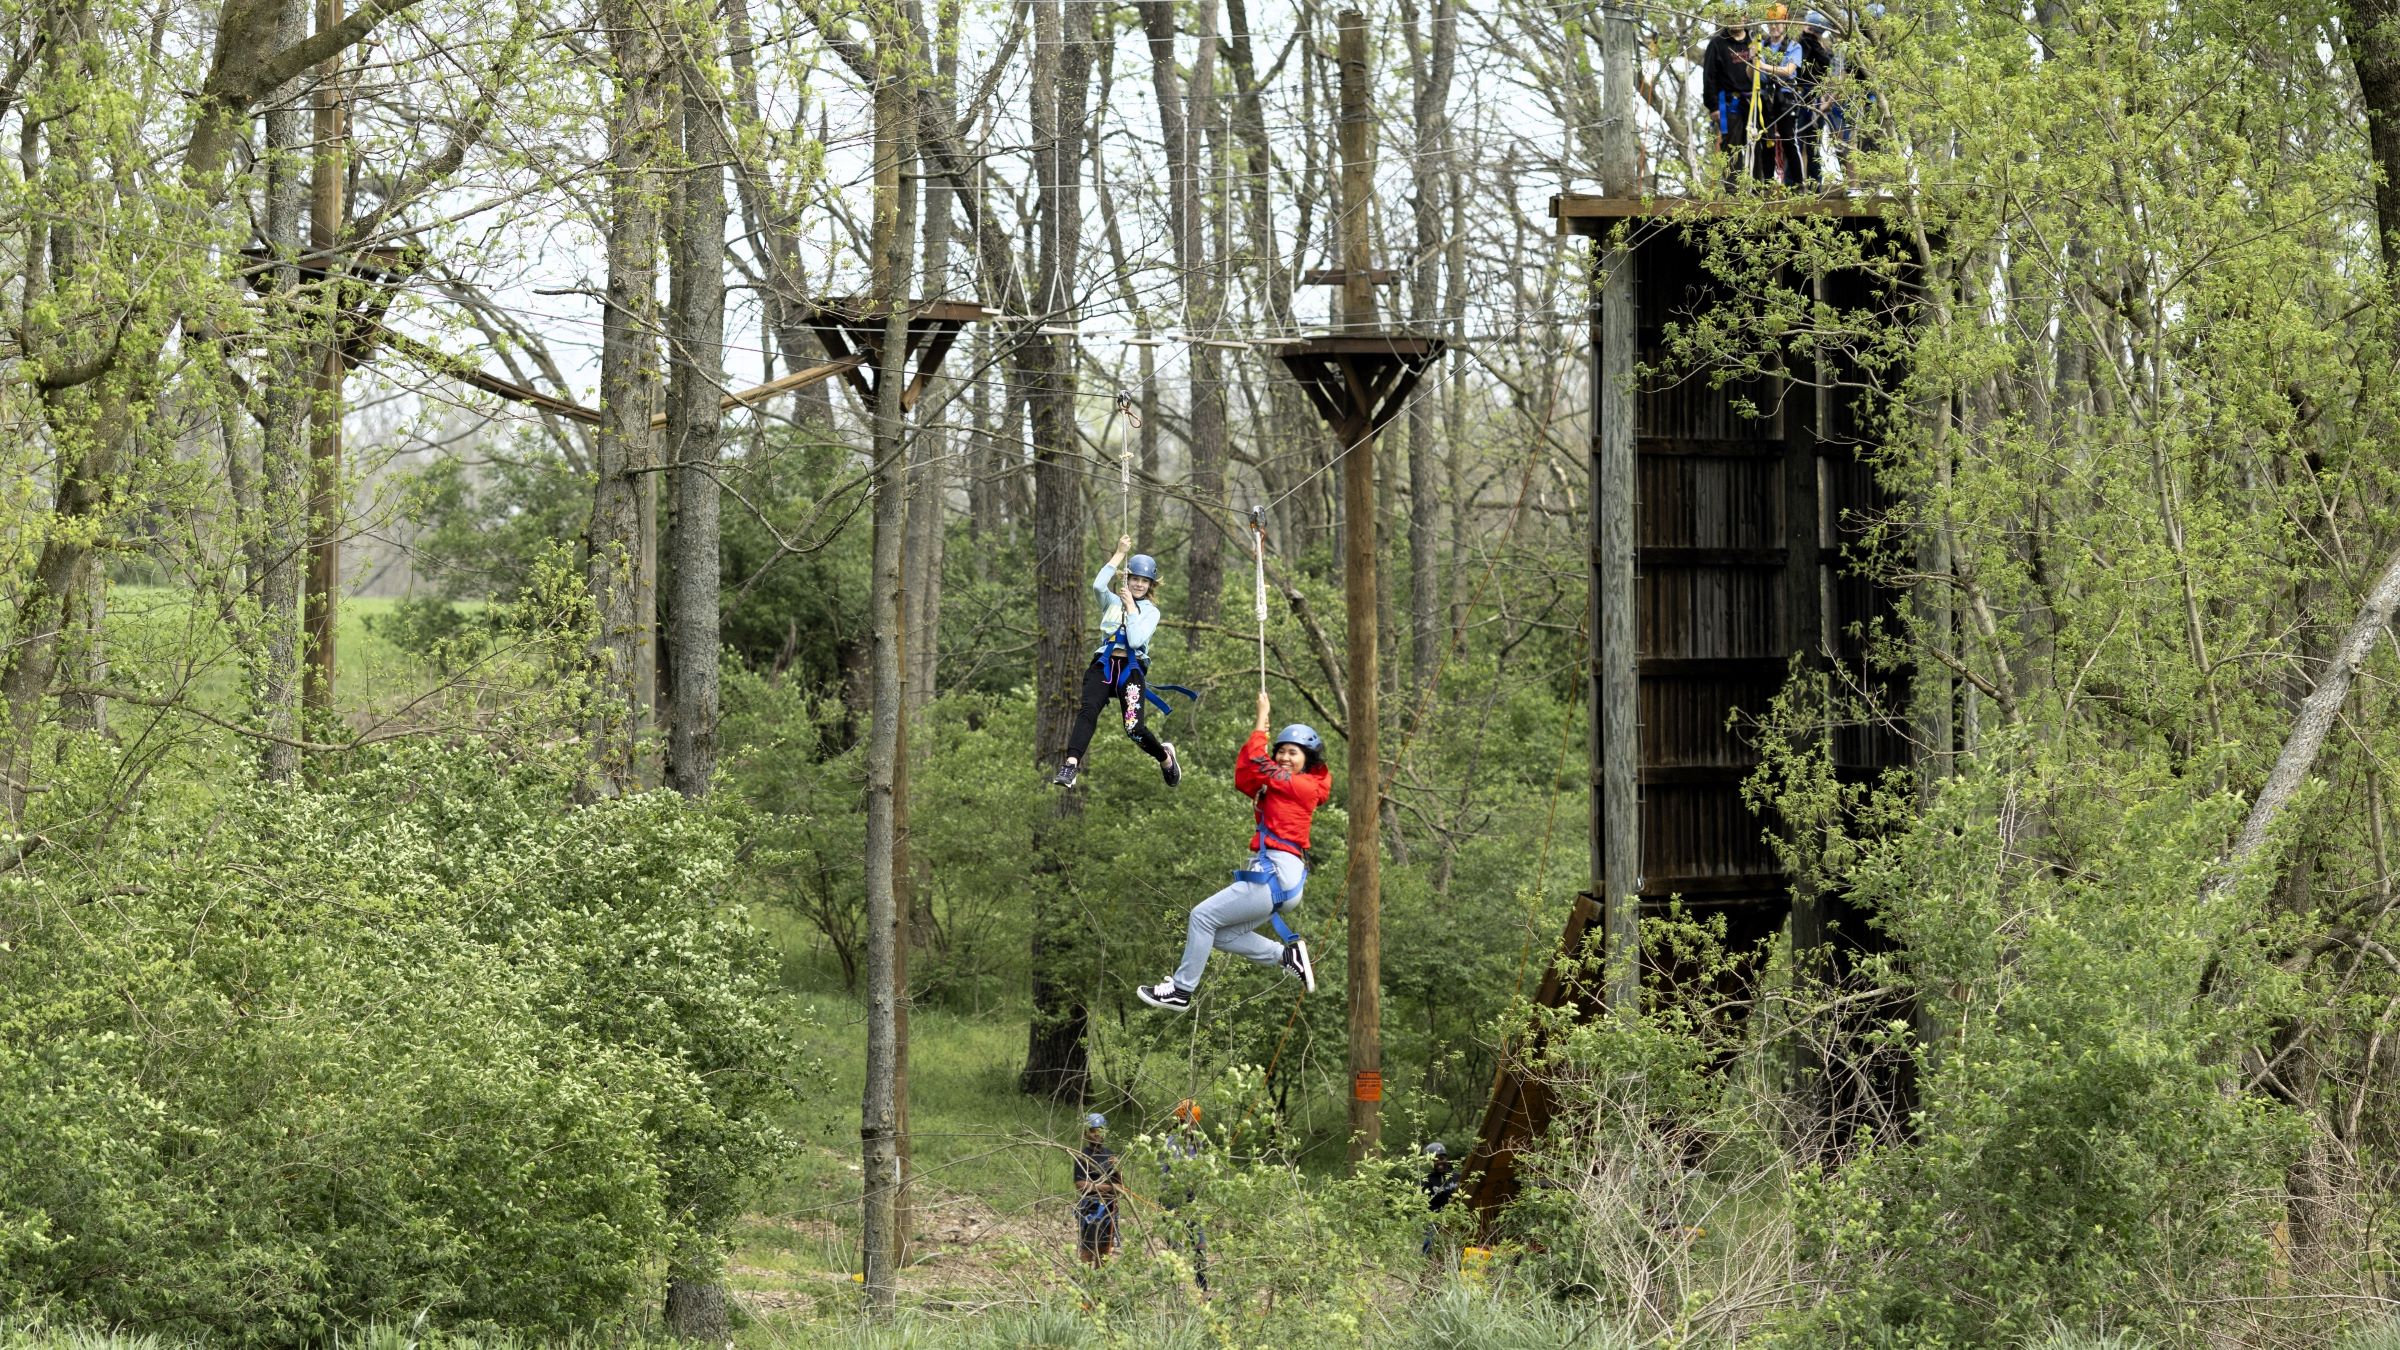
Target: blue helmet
(1095,1121)
(1142,565)
(1303,735)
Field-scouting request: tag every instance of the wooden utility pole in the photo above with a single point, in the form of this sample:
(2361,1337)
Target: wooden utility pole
(1357,380)
(321,596)
(1615,745)
(1364,891)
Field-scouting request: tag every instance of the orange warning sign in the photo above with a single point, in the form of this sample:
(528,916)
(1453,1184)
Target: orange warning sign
(1369,1087)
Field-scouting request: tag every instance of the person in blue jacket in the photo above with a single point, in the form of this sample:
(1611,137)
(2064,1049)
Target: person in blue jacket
(1119,669)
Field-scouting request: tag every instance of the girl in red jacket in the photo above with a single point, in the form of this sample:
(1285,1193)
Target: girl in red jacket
(1288,779)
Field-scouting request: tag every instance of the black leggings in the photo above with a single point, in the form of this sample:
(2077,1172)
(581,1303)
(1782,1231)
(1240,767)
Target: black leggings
(1098,693)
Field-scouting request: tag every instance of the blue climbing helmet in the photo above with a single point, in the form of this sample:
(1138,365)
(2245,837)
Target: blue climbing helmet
(1303,735)
(1095,1121)
(1142,565)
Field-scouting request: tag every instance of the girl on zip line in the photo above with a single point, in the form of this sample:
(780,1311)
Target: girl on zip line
(1121,666)
(1288,780)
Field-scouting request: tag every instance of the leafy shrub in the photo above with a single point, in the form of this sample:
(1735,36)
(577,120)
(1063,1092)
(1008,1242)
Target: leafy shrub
(429,626)
(426,1041)
(2083,1151)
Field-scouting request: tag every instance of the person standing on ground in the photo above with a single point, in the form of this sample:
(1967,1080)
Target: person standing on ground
(1182,1151)
(1096,1189)
(1121,666)
(1288,780)
(1440,1185)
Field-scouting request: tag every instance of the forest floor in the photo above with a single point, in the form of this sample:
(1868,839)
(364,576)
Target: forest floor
(989,1186)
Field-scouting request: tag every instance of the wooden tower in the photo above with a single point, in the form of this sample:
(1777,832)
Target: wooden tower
(1748,498)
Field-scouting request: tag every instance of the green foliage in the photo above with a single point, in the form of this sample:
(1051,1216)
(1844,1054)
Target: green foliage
(421,1041)
(480,530)
(795,574)
(2081,1149)
(445,634)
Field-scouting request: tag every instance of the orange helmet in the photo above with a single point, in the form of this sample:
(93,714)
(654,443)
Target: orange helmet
(1188,1111)
(1777,14)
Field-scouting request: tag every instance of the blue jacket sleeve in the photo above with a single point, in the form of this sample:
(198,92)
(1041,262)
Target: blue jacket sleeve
(1108,573)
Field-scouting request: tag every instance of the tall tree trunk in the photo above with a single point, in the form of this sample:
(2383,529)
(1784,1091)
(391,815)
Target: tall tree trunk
(984,494)
(1436,58)
(283,425)
(1203,161)
(1056,1059)
(929,483)
(695,422)
(892,240)
(1363,886)
(2373,38)
(620,538)
(322,600)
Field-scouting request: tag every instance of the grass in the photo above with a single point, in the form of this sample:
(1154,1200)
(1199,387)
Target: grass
(984,1153)
(158,634)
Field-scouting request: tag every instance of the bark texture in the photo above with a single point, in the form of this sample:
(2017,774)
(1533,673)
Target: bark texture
(1056,1058)
(274,651)
(695,379)
(621,560)
(1435,61)
(893,240)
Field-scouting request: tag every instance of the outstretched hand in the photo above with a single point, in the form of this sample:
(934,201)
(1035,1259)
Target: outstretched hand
(1124,547)
(1264,712)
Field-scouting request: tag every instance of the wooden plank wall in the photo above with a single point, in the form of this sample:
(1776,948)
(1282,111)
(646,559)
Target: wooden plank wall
(1751,494)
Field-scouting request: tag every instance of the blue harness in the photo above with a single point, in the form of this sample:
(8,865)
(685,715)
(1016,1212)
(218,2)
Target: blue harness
(1262,870)
(1119,662)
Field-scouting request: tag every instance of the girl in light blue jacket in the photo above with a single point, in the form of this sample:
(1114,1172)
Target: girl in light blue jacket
(1120,668)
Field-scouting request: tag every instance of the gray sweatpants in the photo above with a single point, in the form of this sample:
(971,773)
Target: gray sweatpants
(1228,921)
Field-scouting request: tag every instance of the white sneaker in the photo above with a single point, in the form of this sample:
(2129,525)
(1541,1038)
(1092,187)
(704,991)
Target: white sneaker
(1295,960)
(1165,995)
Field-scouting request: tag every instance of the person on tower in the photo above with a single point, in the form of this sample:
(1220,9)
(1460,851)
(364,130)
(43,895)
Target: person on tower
(1778,56)
(1121,665)
(1288,780)
(1727,88)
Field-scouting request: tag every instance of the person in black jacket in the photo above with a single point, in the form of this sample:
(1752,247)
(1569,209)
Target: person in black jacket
(1440,1186)
(1813,106)
(1728,85)
(1096,1188)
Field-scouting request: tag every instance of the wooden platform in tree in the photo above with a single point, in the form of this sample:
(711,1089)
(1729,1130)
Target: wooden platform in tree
(1358,382)
(851,325)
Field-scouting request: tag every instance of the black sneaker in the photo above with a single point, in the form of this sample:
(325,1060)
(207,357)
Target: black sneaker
(1295,960)
(1065,777)
(1171,767)
(1165,995)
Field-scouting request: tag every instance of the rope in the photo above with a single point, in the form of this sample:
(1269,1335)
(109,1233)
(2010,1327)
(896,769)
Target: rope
(1132,414)
(1258,557)
(1751,117)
